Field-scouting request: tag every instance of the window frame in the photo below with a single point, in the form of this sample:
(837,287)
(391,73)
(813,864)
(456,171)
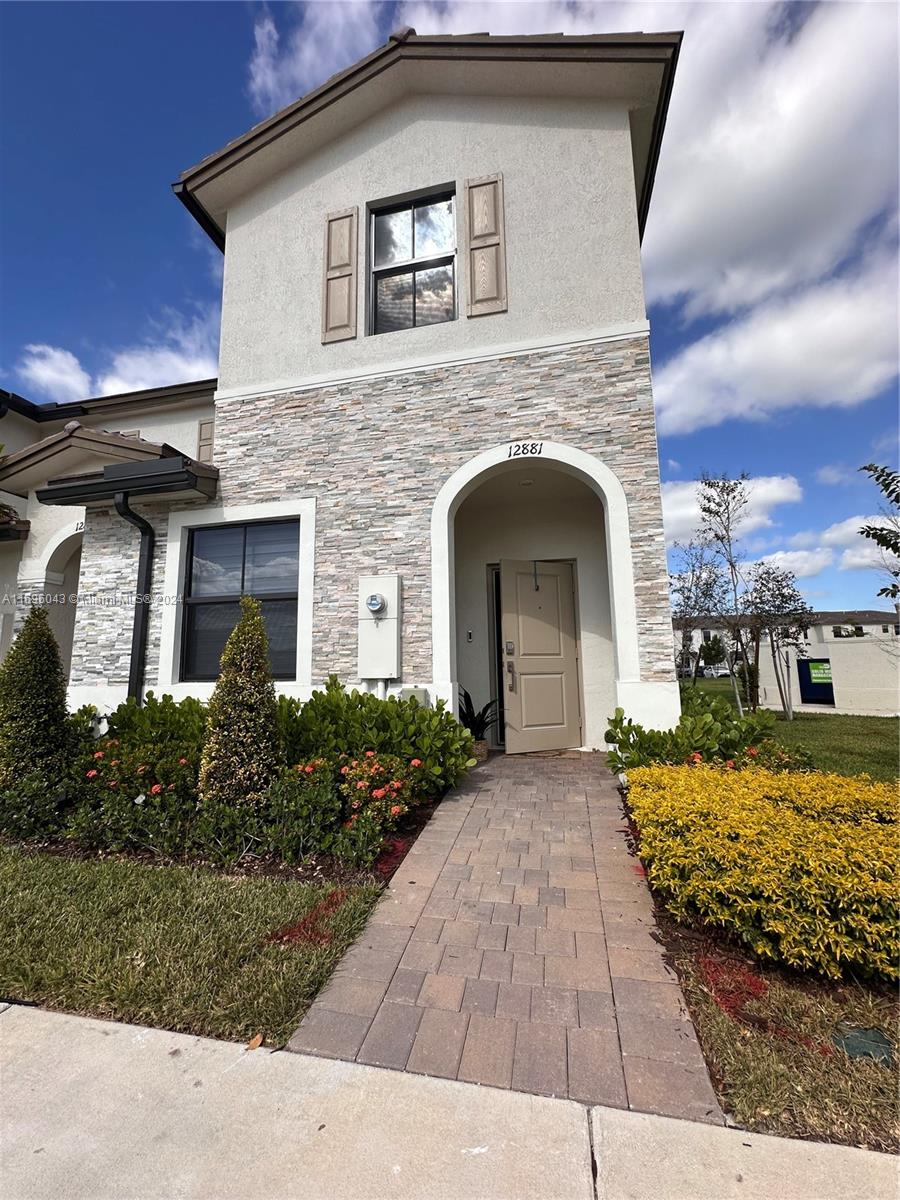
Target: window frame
(413,265)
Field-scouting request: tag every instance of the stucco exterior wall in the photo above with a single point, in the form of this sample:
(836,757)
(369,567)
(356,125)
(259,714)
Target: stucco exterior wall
(865,675)
(572,245)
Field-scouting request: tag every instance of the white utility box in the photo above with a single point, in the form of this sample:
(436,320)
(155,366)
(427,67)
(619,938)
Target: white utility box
(379,627)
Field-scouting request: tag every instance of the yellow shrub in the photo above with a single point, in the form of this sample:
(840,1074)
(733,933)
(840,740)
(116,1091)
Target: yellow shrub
(801,867)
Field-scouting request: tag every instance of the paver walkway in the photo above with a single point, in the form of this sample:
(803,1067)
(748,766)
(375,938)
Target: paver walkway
(514,948)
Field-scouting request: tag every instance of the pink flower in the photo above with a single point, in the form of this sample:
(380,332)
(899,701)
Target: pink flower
(171,787)
(396,810)
(415,762)
(99,754)
(182,762)
(696,757)
(156,789)
(309,770)
(114,783)
(344,770)
(361,784)
(729,763)
(370,754)
(91,774)
(378,794)
(752,751)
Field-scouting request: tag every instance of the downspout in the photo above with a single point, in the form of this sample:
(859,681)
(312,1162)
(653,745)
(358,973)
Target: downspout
(141,610)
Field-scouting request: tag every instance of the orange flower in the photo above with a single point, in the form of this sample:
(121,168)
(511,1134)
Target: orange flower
(378,794)
(182,762)
(308,769)
(396,810)
(729,763)
(370,754)
(99,754)
(156,789)
(696,757)
(361,784)
(752,751)
(90,774)
(415,762)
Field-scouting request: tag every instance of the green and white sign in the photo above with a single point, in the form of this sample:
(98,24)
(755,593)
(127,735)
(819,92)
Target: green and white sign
(820,672)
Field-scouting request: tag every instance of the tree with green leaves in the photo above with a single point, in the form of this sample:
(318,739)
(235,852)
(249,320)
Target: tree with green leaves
(713,652)
(241,751)
(34,730)
(886,535)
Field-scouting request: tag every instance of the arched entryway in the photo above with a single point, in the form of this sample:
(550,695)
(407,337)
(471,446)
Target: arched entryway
(55,576)
(511,532)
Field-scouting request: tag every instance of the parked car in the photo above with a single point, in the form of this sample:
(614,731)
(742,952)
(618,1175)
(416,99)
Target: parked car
(719,671)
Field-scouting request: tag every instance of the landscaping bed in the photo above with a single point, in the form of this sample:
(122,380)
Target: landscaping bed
(779,910)
(188,949)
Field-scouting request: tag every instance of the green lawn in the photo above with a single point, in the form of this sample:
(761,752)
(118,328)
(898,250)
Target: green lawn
(842,744)
(174,947)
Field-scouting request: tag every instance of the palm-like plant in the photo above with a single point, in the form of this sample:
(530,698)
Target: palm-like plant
(477,721)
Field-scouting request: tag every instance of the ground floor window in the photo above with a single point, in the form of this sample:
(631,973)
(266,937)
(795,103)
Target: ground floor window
(224,562)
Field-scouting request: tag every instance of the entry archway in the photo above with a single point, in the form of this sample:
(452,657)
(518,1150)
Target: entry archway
(611,515)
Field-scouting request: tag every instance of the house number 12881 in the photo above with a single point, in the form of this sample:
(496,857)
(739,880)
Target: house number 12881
(518,449)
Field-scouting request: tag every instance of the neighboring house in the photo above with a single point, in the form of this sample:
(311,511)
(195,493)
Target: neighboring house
(434,452)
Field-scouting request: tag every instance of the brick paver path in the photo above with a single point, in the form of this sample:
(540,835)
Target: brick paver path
(514,948)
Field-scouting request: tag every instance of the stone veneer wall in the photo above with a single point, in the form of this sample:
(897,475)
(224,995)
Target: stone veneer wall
(375,453)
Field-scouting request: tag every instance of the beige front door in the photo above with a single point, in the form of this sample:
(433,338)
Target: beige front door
(540,656)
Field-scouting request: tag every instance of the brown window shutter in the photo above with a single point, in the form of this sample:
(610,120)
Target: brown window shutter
(486,246)
(205,442)
(339,289)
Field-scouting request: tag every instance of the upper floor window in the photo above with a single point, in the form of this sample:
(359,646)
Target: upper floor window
(413,257)
(225,562)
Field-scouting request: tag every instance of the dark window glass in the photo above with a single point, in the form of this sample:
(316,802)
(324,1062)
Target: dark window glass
(393,238)
(393,303)
(271,560)
(216,561)
(413,265)
(434,295)
(259,560)
(434,229)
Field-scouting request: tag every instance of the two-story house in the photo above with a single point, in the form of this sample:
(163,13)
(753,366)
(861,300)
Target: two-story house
(430,451)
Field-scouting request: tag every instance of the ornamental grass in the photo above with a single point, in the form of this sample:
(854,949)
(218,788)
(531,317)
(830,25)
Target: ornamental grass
(802,868)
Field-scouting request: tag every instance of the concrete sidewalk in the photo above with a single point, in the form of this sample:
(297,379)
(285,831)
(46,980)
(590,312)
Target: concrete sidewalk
(93,1110)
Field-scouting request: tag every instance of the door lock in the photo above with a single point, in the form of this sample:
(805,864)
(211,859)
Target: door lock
(511,672)
(510,648)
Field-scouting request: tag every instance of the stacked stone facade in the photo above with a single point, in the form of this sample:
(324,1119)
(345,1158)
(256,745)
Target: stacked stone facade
(375,453)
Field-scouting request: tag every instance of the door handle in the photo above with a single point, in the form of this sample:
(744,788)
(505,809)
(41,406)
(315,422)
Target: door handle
(511,672)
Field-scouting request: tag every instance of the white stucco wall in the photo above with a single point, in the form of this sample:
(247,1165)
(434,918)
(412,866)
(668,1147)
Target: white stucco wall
(541,529)
(573,256)
(865,675)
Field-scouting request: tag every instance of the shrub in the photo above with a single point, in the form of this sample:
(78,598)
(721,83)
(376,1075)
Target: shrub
(35,735)
(709,729)
(334,722)
(377,790)
(241,752)
(801,868)
(163,722)
(303,812)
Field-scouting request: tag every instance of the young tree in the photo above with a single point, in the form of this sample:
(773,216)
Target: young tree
(723,504)
(713,652)
(776,609)
(698,589)
(34,733)
(886,535)
(241,752)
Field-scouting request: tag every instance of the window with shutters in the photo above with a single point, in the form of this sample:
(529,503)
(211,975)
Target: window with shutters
(224,562)
(412,252)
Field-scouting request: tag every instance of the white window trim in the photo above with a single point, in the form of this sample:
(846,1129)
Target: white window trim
(180,524)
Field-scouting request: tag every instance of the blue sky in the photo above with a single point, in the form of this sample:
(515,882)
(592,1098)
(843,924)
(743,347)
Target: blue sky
(770,255)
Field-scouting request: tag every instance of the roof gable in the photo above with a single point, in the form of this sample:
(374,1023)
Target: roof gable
(636,69)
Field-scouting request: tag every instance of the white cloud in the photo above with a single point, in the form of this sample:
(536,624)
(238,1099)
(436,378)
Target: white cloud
(179,350)
(802,563)
(856,552)
(832,345)
(323,39)
(681,510)
(672,465)
(777,156)
(53,373)
(836,473)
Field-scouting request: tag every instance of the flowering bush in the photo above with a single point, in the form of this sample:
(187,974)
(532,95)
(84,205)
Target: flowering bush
(302,814)
(800,867)
(377,790)
(135,796)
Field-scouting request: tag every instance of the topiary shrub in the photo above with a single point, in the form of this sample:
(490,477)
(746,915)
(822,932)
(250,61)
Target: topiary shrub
(241,751)
(799,867)
(35,734)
